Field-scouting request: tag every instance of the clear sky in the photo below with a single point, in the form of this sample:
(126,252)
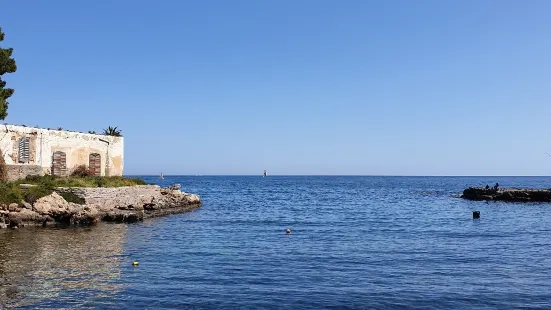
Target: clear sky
(293,86)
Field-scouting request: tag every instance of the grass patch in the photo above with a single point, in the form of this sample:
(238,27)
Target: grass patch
(11,192)
(81,181)
(71,197)
(32,194)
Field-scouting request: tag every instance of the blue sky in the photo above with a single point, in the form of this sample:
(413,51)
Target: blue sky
(294,87)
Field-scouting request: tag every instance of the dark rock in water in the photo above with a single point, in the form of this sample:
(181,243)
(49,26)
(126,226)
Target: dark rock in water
(132,217)
(150,206)
(509,195)
(476,214)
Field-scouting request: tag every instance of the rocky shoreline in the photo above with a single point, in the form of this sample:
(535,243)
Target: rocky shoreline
(120,205)
(509,195)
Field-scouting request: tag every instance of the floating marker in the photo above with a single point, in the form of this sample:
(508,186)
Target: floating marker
(288,231)
(135,263)
(476,214)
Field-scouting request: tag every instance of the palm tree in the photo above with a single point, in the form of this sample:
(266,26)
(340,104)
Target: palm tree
(112,131)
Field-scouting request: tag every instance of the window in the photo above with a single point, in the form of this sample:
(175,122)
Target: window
(24,150)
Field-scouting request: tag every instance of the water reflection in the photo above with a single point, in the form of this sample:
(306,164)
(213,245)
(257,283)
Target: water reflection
(47,267)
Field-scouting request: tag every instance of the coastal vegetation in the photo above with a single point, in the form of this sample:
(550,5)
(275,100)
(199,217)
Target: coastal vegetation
(112,131)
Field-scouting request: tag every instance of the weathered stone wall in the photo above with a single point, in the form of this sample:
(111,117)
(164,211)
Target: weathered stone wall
(77,147)
(117,196)
(16,172)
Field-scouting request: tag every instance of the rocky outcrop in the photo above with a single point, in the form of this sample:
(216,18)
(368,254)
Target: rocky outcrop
(512,195)
(122,205)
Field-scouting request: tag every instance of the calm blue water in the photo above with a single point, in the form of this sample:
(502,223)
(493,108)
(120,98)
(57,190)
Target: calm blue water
(356,243)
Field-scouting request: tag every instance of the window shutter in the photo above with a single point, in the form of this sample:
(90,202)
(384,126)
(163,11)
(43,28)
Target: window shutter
(59,165)
(24,150)
(94,164)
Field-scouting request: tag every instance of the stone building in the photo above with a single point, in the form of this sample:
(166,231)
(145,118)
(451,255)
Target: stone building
(37,151)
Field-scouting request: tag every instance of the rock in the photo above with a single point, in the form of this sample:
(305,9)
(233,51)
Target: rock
(52,204)
(193,199)
(47,220)
(150,206)
(25,216)
(14,207)
(175,187)
(86,217)
(509,195)
(131,217)
(4,207)
(14,222)
(125,204)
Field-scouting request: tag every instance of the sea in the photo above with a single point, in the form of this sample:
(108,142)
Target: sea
(356,243)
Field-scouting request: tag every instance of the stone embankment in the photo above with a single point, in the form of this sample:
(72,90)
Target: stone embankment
(511,195)
(121,204)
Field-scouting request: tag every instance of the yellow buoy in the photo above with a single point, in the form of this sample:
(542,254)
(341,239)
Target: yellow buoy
(135,264)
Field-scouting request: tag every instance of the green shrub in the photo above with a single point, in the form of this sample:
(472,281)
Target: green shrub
(81,171)
(32,194)
(10,193)
(72,197)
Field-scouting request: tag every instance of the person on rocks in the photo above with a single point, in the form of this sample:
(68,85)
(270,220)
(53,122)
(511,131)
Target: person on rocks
(496,187)
(487,187)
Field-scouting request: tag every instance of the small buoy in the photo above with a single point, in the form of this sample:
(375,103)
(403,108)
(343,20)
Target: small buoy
(476,214)
(135,263)
(288,231)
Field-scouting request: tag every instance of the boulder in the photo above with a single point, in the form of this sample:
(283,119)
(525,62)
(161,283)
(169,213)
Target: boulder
(175,187)
(13,207)
(54,204)
(25,216)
